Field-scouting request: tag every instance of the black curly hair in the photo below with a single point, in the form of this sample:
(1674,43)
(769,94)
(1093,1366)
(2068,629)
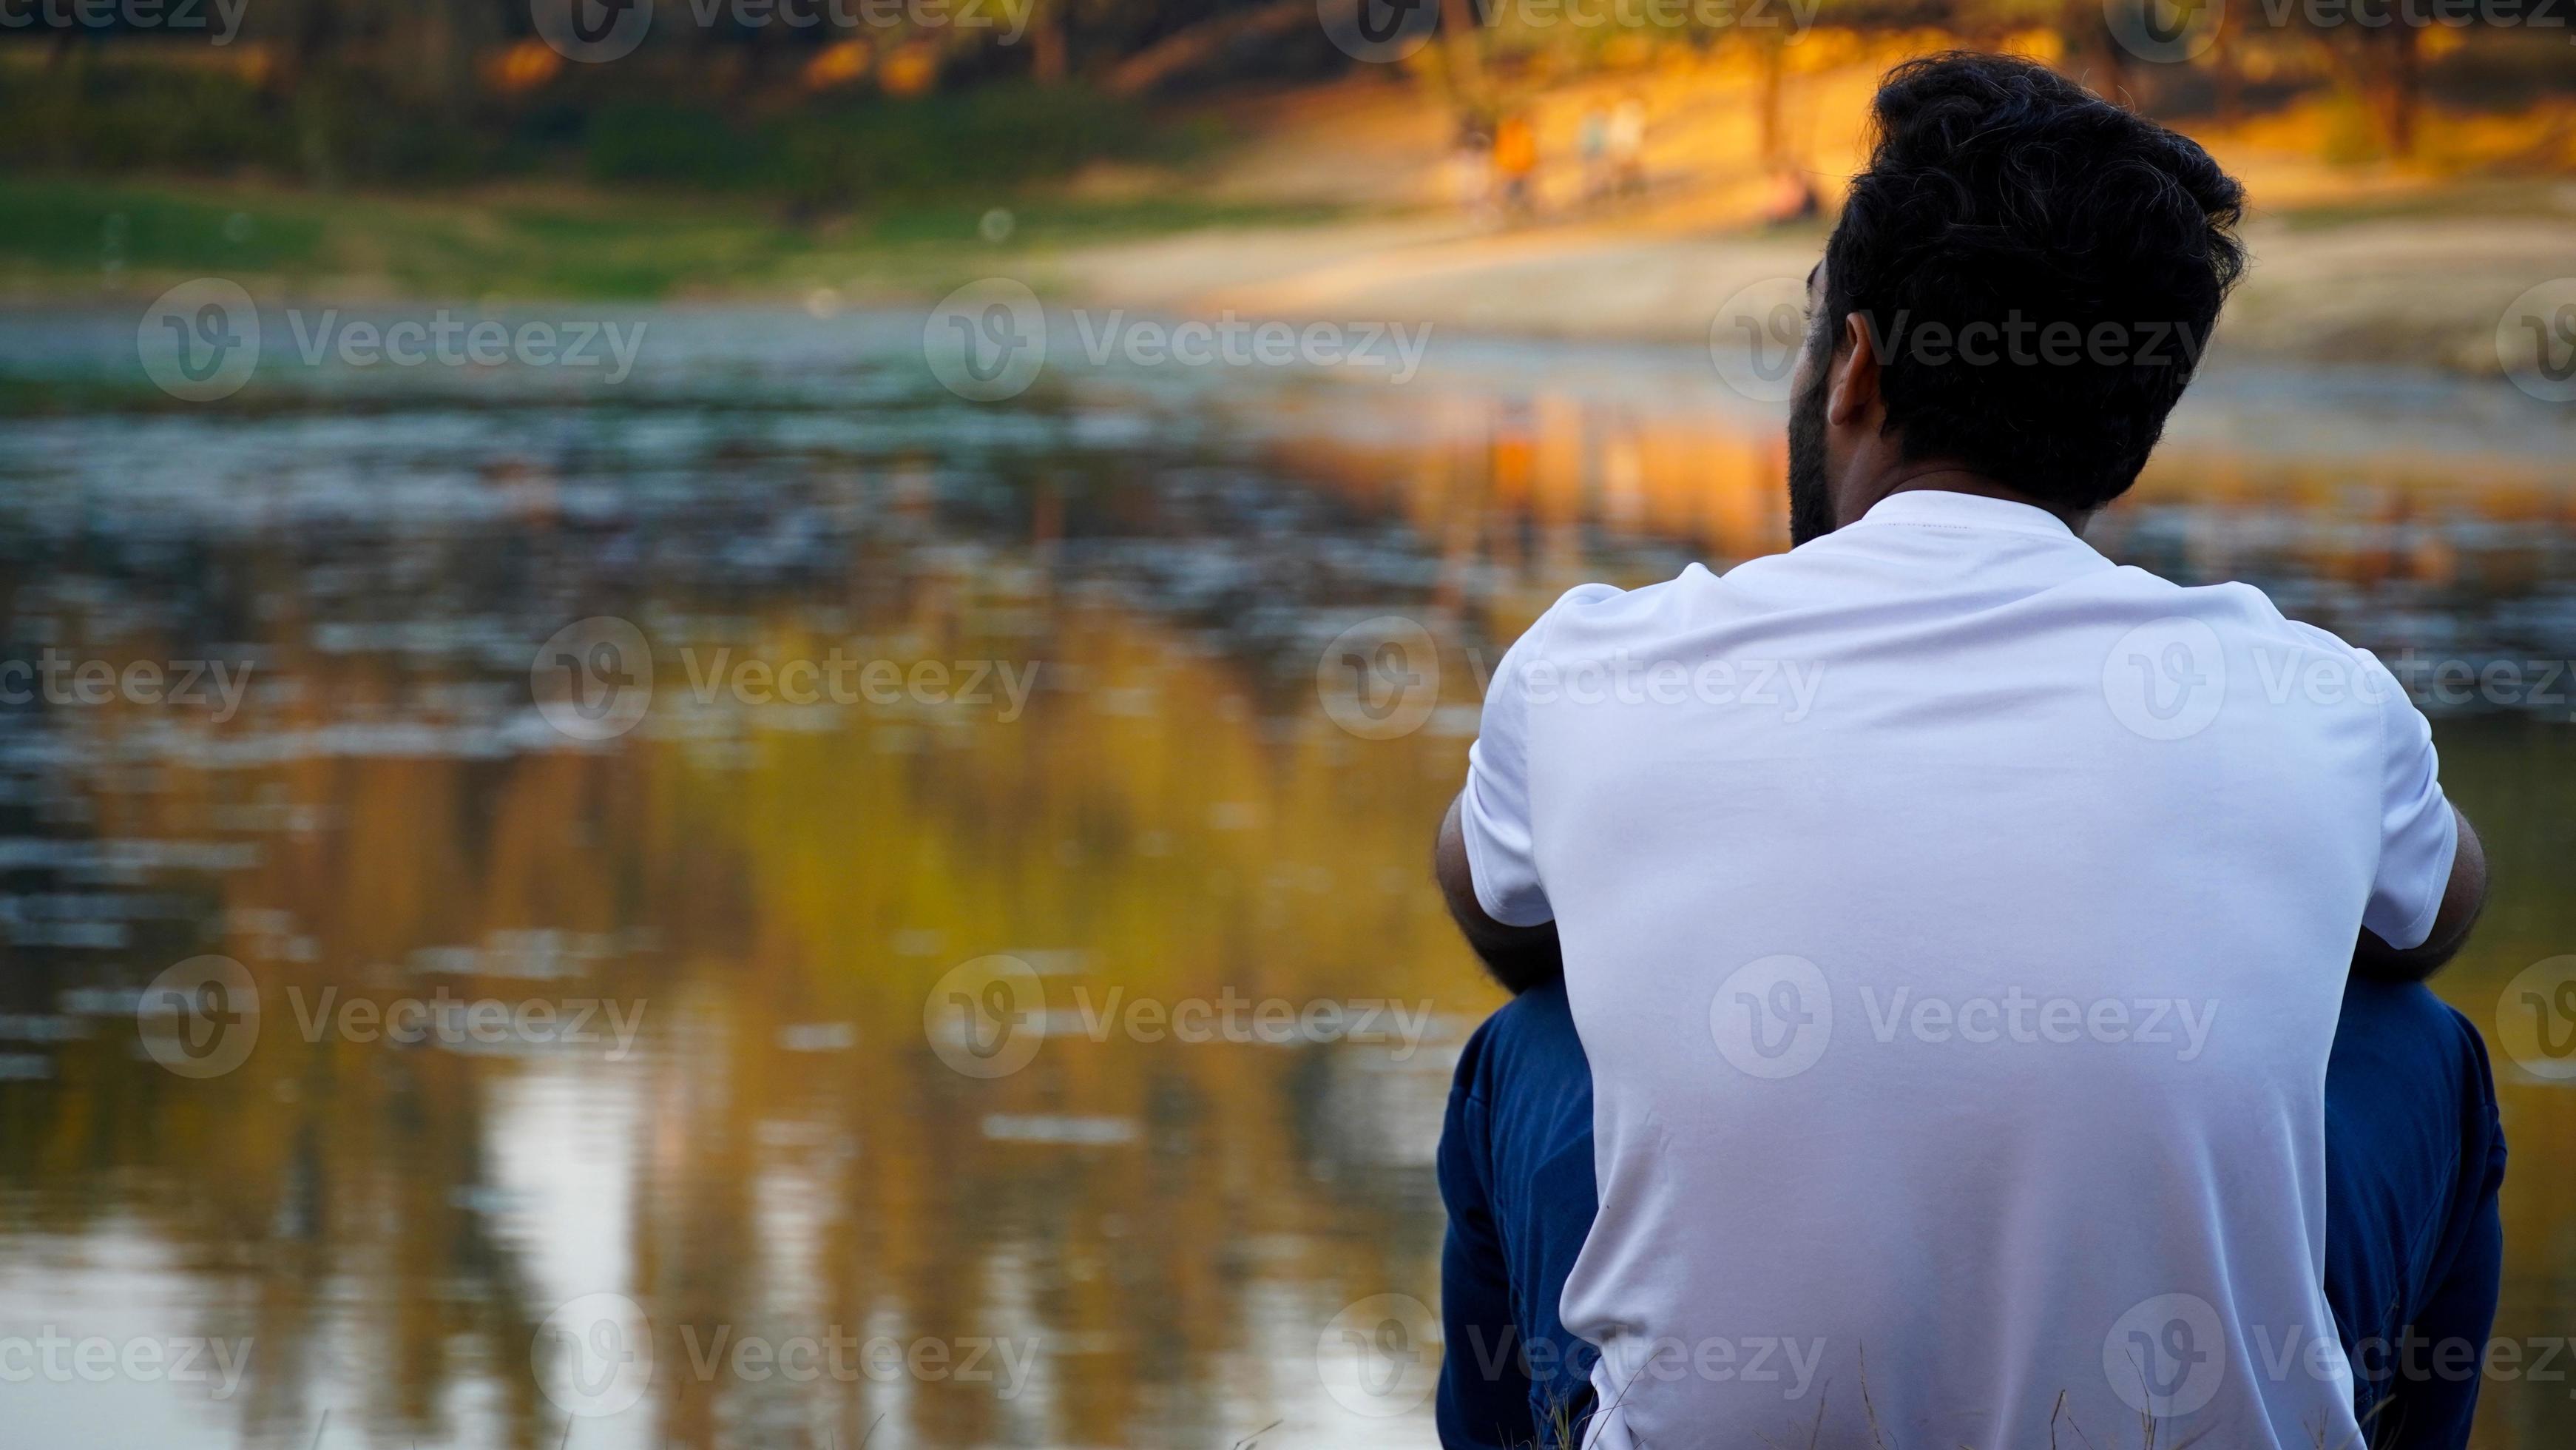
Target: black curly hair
(2085,248)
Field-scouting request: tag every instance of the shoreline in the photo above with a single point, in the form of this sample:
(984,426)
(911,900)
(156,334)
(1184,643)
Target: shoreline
(2423,293)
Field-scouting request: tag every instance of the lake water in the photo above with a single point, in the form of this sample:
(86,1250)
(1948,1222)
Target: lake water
(699,1131)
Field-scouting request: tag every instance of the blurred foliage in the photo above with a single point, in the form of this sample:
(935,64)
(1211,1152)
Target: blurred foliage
(846,105)
(966,143)
(101,115)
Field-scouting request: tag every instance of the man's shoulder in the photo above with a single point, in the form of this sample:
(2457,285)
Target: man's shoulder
(2239,614)
(1594,618)
(1595,612)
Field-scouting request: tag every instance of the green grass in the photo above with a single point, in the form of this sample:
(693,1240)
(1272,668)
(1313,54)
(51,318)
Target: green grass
(72,237)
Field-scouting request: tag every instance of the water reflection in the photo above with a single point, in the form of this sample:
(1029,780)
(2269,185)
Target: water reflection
(835,801)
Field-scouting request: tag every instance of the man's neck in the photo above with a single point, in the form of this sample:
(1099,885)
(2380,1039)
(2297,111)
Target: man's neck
(1951,478)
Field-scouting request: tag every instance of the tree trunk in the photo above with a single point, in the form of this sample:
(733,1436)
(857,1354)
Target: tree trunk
(2230,72)
(1464,44)
(2091,28)
(1194,44)
(1774,60)
(2403,90)
(1047,62)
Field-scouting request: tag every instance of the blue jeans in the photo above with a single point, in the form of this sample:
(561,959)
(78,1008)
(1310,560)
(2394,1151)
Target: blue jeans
(2414,1247)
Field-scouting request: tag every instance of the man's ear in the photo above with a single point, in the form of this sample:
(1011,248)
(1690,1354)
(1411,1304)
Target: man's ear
(1851,375)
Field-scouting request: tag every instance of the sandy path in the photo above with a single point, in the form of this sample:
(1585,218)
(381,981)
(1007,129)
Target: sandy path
(2425,293)
(2419,290)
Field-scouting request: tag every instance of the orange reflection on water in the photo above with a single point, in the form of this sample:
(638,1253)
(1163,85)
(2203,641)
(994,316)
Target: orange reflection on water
(773,894)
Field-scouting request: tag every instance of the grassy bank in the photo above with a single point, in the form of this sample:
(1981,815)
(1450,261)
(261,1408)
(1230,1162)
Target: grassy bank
(77,239)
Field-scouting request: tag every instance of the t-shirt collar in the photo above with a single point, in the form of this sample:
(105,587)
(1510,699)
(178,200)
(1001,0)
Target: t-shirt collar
(1940,508)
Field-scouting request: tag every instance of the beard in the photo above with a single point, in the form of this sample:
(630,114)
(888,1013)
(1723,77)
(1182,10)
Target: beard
(1811,504)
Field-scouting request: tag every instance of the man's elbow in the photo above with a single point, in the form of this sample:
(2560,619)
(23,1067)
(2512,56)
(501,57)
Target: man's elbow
(1516,957)
(2463,898)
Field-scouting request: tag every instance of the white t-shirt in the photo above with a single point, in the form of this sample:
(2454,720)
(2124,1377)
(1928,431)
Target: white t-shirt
(1957,925)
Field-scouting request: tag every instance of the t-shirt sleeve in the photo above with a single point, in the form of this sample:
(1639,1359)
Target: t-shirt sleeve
(2417,832)
(1494,809)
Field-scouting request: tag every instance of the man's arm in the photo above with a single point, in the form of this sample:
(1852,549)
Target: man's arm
(2462,899)
(1519,957)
